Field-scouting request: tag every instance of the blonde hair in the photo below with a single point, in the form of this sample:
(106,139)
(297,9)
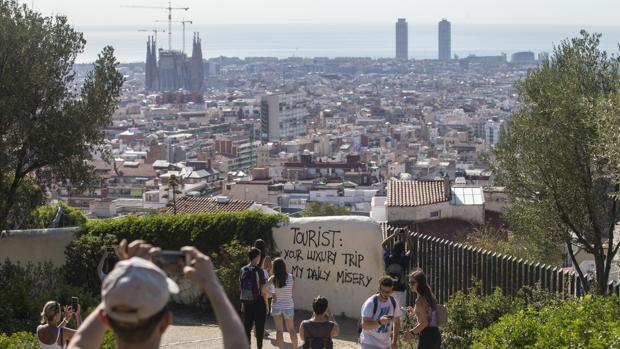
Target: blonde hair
(50,309)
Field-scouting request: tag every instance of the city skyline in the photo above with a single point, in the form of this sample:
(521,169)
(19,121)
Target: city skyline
(344,11)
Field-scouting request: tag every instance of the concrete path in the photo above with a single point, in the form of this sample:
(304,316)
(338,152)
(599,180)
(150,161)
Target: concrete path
(192,329)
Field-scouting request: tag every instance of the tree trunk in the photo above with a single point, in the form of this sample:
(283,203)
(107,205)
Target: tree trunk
(601,277)
(584,282)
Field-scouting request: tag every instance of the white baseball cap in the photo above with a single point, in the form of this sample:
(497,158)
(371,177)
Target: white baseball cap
(135,290)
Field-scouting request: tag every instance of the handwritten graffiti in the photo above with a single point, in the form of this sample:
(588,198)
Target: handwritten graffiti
(297,271)
(293,255)
(322,256)
(316,238)
(348,277)
(353,259)
(314,252)
(317,274)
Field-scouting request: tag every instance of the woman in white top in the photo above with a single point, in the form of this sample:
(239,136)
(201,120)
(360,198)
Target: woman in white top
(283,306)
(52,333)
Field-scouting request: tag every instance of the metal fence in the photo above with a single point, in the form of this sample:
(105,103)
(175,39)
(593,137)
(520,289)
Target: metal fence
(451,267)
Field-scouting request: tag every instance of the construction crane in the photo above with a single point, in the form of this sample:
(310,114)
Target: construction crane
(155,31)
(169,8)
(182,22)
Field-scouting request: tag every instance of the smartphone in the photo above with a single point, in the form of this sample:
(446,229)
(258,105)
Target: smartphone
(172,261)
(74,303)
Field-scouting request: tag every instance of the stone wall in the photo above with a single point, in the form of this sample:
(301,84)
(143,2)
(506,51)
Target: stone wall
(36,245)
(339,258)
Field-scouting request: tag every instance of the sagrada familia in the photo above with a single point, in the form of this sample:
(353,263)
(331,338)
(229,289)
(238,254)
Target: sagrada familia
(174,70)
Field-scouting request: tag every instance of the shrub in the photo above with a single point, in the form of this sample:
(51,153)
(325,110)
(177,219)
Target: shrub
(229,261)
(28,340)
(206,231)
(25,289)
(590,322)
(469,311)
(81,258)
(19,340)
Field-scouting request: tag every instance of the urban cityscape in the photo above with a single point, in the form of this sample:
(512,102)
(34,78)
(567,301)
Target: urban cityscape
(465,197)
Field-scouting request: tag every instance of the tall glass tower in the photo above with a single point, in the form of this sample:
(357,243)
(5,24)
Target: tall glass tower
(445,40)
(402,40)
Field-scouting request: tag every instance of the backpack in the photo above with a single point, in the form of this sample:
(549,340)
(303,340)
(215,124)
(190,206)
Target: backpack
(375,305)
(317,342)
(441,315)
(250,284)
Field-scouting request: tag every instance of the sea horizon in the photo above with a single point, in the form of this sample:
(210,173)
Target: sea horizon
(373,40)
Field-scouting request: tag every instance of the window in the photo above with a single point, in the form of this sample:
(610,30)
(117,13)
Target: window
(435,214)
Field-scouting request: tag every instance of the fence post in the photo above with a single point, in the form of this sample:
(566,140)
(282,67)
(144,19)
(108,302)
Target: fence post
(520,273)
(494,270)
(503,269)
(445,266)
(554,280)
(460,267)
(467,268)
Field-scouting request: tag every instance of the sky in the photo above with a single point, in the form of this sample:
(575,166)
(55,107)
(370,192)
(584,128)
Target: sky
(557,12)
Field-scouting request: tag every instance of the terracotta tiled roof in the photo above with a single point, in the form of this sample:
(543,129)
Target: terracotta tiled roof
(403,193)
(189,204)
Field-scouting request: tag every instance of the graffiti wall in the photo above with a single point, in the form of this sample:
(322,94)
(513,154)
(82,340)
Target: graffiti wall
(336,257)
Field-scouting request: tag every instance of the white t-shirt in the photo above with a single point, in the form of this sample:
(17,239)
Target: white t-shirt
(381,336)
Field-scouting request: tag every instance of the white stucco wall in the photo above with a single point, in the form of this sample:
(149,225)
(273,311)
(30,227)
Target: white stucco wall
(337,257)
(36,245)
(471,213)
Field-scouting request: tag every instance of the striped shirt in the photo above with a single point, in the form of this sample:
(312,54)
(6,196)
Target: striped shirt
(284,295)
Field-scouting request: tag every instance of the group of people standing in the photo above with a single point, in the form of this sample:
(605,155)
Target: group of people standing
(266,287)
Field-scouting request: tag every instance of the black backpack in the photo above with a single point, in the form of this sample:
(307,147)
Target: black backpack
(317,343)
(375,305)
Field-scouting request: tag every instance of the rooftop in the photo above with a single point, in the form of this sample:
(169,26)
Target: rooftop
(189,204)
(405,193)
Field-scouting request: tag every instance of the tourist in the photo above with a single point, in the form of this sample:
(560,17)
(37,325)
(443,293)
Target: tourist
(135,295)
(283,308)
(253,305)
(265,264)
(396,262)
(107,262)
(52,333)
(425,313)
(268,295)
(380,318)
(317,333)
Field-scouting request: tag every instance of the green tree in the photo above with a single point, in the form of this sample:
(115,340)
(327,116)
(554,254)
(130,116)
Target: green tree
(49,125)
(314,209)
(552,159)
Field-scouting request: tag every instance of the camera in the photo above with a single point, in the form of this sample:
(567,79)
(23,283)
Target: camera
(74,303)
(111,260)
(172,262)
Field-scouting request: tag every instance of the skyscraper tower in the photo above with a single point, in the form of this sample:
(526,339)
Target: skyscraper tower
(445,40)
(148,79)
(196,75)
(402,39)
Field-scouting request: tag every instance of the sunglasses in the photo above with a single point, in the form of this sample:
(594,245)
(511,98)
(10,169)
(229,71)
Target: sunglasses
(412,282)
